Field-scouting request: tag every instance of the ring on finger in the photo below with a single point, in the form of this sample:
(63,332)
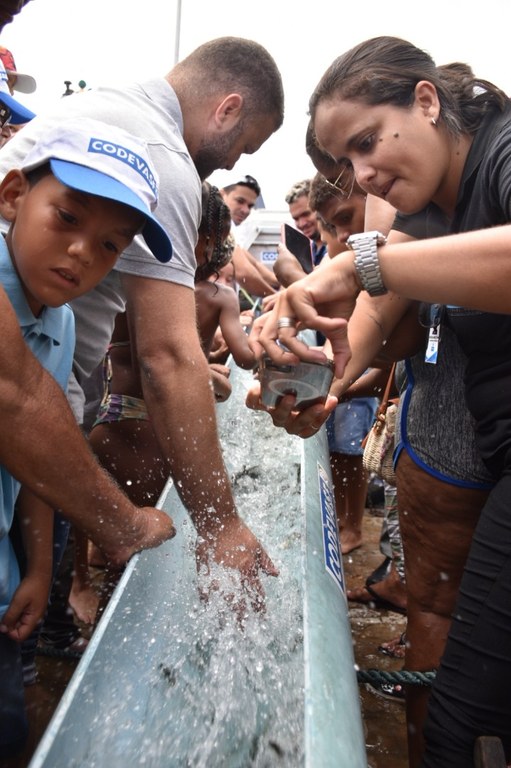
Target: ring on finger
(286,322)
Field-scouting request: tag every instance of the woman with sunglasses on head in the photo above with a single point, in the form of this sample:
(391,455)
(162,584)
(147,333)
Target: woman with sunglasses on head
(435,142)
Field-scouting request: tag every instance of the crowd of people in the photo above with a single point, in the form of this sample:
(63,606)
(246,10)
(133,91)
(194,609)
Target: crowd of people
(123,272)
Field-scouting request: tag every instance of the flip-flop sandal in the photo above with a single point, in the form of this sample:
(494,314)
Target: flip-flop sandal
(394,649)
(376,602)
(390,691)
(380,572)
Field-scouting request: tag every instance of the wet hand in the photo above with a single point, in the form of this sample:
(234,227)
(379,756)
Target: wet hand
(233,546)
(302,423)
(26,609)
(222,388)
(145,529)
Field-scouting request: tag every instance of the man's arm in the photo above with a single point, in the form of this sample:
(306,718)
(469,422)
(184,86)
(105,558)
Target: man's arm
(249,276)
(175,382)
(43,447)
(287,268)
(265,272)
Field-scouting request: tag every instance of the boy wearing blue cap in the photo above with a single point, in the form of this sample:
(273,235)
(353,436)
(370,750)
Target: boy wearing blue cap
(82,194)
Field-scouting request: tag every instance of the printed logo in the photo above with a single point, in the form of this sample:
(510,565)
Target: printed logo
(102,147)
(331,548)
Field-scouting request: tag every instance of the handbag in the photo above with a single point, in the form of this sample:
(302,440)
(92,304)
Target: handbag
(378,444)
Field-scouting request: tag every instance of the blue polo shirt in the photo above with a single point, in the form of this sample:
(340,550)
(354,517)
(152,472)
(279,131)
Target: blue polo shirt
(51,337)
(318,251)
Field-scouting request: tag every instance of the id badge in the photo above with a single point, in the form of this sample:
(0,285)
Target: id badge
(431,355)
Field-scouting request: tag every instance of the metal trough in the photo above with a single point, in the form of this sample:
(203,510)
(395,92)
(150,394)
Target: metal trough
(170,681)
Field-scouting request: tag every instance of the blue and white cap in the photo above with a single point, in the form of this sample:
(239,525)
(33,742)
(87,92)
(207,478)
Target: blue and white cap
(104,160)
(19,113)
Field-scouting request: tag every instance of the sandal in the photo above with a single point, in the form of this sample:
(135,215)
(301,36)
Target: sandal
(380,572)
(390,691)
(373,600)
(394,648)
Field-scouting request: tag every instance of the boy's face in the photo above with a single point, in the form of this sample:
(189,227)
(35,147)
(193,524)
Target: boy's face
(62,242)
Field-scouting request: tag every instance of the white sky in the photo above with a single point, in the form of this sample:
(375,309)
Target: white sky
(108,41)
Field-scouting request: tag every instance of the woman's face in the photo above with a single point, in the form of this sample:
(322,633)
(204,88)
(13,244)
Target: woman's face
(397,153)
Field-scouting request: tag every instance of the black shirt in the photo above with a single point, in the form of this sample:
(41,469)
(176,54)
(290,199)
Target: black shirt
(484,200)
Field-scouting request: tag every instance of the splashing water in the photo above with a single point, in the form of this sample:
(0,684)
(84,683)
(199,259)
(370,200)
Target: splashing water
(171,680)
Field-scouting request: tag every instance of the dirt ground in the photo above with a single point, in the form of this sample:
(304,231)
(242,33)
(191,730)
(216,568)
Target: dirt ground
(384,720)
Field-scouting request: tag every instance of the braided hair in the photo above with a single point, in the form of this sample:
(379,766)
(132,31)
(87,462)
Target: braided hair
(214,248)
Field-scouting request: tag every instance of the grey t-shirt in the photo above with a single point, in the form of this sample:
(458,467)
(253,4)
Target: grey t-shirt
(149,110)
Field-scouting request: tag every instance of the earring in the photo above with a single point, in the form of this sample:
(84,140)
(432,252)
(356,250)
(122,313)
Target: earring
(433,121)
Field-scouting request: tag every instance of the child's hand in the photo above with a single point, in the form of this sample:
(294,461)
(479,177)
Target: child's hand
(220,381)
(27,608)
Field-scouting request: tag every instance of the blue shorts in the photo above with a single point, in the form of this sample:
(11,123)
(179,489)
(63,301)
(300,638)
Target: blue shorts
(347,426)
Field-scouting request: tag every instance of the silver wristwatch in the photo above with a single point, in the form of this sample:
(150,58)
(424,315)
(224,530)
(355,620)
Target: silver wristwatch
(367,264)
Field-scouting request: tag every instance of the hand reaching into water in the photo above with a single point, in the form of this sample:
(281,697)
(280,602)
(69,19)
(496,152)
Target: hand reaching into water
(235,547)
(122,537)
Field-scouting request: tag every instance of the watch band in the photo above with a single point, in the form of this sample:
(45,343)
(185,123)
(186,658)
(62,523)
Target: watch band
(367,265)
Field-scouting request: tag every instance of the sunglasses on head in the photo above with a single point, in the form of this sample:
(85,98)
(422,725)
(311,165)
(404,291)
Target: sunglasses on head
(344,182)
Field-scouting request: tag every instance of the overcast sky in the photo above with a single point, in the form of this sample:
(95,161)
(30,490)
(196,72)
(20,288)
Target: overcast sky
(109,41)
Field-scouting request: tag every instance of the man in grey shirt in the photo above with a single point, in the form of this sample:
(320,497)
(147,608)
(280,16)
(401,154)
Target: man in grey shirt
(223,100)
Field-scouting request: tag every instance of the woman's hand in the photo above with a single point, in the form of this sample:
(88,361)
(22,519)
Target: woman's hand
(302,423)
(323,301)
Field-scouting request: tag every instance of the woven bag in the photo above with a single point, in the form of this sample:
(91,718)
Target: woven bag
(379,442)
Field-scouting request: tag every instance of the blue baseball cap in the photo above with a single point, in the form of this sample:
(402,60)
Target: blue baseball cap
(104,160)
